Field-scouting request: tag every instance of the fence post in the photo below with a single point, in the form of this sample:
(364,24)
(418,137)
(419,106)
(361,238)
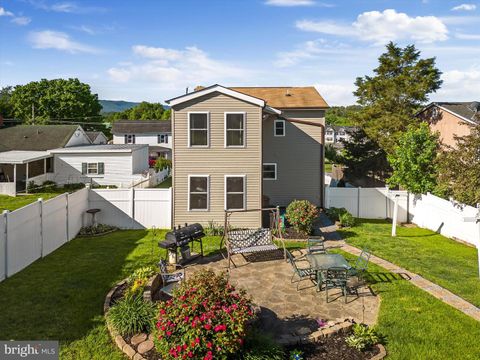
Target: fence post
(358,202)
(66,218)
(40,204)
(5,219)
(132,206)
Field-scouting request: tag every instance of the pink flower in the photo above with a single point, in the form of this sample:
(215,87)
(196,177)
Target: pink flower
(207,326)
(220,327)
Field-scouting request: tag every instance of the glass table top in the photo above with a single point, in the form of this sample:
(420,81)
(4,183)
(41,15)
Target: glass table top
(325,261)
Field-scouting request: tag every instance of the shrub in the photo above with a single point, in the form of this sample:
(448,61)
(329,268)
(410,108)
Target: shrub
(213,229)
(73,186)
(347,220)
(96,230)
(363,337)
(138,280)
(162,163)
(259,346)
(334,213)
(205,319)
(132,315)
(301,214)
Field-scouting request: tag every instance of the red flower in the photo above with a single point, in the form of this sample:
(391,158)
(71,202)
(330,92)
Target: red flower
(197,340)
(220,327)
(209,345)
(207,326)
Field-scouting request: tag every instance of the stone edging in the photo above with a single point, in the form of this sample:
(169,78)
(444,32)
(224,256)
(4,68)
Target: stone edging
(331,328)
(126,348)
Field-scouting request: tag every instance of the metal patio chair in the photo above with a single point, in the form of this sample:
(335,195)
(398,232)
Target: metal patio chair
(316,246)
(301,272)
(361,264)
(336,277)
(170,280)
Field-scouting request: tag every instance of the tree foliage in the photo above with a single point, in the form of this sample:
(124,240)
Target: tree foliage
(143,111)
(6,107)
(414,161)
(331,153)
(362,157)
(390,98)
(341,115)
(459,170)
(58,99)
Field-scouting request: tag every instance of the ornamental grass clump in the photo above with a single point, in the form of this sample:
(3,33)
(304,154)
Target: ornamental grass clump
(301,215)
(207,318)
(132,315)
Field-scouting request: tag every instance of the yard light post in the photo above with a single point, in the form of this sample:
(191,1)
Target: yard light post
(476,219)
(395,215)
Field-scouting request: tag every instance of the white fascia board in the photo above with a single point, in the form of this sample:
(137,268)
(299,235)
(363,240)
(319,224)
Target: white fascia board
(272,110)
(216,88)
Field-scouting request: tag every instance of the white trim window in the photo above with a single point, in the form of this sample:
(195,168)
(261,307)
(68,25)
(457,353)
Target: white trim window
(198,129)
(235,192)
(198,192)
(162,138)
(279,128)
(270,171)
(129,138)
(93,168)
(235,127)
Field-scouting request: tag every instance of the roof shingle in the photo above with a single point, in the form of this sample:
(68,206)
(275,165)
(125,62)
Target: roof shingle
(141,126)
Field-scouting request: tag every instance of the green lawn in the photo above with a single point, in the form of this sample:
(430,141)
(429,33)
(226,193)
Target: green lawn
(441,260)
(167,183)
(14,202)
(328,167)
(61,297)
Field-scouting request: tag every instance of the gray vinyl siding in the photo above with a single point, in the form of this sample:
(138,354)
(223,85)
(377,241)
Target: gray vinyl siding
(217,161)
(299,158)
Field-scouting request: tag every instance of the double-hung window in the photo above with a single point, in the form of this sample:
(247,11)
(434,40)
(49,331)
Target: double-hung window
(93,168)
(129,138)
(270,171)
(235,186)
(279,128)
(162,139)
(198,192)
(235,129)
(198,129)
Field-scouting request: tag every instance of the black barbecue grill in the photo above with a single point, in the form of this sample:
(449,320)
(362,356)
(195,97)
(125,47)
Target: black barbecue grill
(183,238)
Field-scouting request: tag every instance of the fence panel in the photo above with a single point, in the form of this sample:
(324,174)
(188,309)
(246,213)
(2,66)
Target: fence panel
(77,205)
(54,223)
(24,237)
(343,197)
(3,254)
(153,207)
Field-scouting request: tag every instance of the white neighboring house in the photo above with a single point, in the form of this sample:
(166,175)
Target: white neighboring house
(97,137)
(123,165)
(157,134)
(336,134)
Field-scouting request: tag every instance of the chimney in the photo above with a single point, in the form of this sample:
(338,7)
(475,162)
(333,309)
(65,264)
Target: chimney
(287,93)
(198,88)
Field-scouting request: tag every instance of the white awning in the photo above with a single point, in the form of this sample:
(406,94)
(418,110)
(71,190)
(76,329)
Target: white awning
(22,157)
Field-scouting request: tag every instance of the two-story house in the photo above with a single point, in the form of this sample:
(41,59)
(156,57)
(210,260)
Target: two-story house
(335,135)
(244,148)
(157,134)
(451,119)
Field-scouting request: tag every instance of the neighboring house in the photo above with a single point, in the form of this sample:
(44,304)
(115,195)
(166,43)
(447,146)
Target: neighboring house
(119,165)
(451,119)
(157,134)
(336,134)
(244,148)
(97,137)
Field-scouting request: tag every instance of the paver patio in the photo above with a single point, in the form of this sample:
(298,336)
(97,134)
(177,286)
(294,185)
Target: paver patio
(284,309)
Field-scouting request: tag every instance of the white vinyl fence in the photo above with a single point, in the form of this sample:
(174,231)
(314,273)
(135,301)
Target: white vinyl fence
(34,231)
(427,211)
(133,208)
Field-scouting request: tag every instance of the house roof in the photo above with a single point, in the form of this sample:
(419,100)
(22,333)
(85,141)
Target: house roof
(92,135)
(36,137)
(21,156)
(287,97)
(141,126)
(460,109)
(104,148)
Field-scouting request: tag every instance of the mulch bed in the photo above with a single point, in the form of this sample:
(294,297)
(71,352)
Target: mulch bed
(292,234)
(331,348)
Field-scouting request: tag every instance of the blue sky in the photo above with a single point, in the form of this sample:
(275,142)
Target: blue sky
(152,50)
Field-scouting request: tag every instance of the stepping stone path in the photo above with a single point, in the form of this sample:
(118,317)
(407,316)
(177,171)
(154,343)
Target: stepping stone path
(333,239)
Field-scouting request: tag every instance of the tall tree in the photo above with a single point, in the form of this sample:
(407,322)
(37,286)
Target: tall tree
(414,161)
(390,98)
(143,111)
(6,107)
(459,170)
(362,156)
(341,115)
(58,99)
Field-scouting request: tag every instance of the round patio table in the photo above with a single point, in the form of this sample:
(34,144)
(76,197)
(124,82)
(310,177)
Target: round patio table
(322,262)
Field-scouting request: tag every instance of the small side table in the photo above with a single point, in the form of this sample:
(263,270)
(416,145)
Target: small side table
(93,212)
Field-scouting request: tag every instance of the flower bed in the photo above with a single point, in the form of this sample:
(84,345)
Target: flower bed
(97,230)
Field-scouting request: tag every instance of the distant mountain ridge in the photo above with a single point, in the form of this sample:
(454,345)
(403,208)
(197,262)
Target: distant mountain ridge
(109,106)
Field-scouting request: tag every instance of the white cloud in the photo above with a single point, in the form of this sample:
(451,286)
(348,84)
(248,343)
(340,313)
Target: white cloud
(65,7)
(48,39)
(4,12)
(460,85)
(380,27)
(290,2)
(163,68)
(337,94)
(464,7)
(462,36)
(21,20)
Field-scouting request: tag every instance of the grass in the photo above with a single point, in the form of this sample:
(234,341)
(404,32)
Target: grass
(15,202)
(446,262)
(61,296)
(165,184)
(328,167)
